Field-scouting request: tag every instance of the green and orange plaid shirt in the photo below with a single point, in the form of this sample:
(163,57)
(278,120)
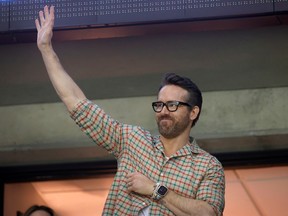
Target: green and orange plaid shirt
(191,172)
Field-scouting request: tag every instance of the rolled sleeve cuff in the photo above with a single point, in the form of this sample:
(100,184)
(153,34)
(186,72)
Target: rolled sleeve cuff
(79,107)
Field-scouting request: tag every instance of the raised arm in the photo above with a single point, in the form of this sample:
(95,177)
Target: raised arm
(65,87)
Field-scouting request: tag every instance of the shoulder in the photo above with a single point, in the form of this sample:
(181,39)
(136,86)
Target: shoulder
(140,134)
(204,156)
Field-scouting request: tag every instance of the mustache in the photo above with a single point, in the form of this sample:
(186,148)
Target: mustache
(165,117)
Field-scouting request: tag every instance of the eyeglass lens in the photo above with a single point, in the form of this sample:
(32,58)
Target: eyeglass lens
(172,106)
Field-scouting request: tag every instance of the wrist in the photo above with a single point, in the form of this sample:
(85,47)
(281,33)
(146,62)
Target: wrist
(45,48)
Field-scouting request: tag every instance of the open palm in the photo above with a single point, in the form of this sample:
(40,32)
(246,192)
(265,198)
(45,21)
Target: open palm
(44,26)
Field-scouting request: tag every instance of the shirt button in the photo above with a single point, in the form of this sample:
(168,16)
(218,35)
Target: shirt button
(144,203)
(161,174)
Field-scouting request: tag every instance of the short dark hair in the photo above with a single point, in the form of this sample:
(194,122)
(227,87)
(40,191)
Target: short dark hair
(34,208)
(195,95)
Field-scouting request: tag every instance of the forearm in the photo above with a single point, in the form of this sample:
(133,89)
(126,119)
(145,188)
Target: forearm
(182,206)
(66,88)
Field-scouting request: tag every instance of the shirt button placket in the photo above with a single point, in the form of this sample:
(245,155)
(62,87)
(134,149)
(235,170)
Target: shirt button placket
(162,169)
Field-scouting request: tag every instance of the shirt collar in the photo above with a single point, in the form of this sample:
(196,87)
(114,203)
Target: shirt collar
(190,148)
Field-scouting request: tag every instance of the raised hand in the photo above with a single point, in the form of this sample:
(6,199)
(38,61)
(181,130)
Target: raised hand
(44,26)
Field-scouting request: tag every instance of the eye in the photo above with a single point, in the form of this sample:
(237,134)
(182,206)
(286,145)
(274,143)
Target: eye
(158,104)
(172,105)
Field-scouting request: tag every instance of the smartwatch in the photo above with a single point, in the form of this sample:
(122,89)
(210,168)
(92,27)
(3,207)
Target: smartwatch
(159,191)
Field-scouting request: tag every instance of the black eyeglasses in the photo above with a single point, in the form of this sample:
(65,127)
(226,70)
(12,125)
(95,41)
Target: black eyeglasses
(172,106)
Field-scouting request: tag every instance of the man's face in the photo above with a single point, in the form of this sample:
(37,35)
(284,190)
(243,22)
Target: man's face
(40,213)
(172,124)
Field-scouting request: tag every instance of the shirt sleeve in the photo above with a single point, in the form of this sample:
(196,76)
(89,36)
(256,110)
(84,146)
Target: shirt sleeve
(212,188)
(100,127)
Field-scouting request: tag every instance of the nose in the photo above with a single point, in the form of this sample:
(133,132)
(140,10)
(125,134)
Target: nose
(165,109)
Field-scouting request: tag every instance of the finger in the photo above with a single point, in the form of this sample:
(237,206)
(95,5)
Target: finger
(129,189)
(46,11)
(129,180)
(37,24)
(52,9)
(41,17)
(129,175)
(129,186)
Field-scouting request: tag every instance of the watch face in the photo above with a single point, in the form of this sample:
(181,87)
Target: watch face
(162,190)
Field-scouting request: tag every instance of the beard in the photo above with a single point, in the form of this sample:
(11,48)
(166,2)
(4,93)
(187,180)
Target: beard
(170,127)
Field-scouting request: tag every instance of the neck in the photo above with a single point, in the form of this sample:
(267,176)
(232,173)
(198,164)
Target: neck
(171,146)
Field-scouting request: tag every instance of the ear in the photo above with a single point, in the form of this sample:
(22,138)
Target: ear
(194,113)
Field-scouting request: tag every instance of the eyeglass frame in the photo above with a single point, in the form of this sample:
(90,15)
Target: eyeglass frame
(178,103)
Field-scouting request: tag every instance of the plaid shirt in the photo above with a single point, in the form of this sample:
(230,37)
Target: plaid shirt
(190,172)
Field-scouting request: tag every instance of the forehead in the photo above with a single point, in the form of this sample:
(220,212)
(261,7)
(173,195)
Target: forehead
(172,92)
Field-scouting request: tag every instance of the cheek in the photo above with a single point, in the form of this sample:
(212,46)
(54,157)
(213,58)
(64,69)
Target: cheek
(156,116)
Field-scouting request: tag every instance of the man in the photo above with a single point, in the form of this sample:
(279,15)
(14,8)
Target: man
(156,175)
